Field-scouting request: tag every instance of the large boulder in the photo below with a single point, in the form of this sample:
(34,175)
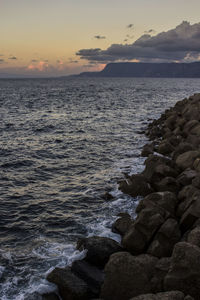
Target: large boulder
(147,149)
(186,177)
(192,214)
(98,249)
(196,164)
(122,225)
(165,147)
(194,237)
(187,159)
(166,200)
(173,295)
(182,148)
(148,222)
(90,274)
(184,273)
(127,276)
(165,239)
(167,184)
(135,185)
(69,285)
(161,269)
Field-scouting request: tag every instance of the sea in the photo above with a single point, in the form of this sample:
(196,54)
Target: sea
(64,142)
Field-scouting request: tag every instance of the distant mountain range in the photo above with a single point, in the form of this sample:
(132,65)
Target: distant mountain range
(159,70)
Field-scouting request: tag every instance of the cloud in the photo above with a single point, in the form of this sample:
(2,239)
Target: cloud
(1,60)
(13,58)
(150,31)
(173,45)
(34,60)
(99,37)
(130,26)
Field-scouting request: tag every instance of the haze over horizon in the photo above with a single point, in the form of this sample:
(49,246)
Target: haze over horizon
(55,38)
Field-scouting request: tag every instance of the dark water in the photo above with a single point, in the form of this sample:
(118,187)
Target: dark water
(63,143)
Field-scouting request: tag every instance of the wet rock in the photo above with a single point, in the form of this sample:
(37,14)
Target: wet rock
(194,237)
(186,177)
(184,272)
(173,295)
(147,150)
(187,159)
(107,196)
(90,274)
(161,269)
(167,184)
(165,239)
(135,185)
(137,239)
(70,286)
(122,225)
(98,249)
(127,276)
(166,200)
(165,147)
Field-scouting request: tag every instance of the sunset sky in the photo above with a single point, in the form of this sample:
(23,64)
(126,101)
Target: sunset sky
(61,37)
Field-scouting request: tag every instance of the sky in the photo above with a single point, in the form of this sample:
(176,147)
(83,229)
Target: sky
(62,37)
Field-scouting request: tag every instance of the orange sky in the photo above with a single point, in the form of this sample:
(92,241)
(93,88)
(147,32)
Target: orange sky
(41,37)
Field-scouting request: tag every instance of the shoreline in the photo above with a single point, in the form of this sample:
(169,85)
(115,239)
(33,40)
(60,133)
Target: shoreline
(158,255)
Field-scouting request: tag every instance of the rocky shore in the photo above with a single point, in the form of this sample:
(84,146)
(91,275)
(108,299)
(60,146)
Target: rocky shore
(159,254)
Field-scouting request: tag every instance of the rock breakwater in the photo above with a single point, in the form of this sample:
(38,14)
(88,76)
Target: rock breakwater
(159,255)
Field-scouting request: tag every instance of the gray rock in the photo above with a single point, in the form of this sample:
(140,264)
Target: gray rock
(98,249)
(122,225)
(187,159)
(186,177)
(135,185)
(184,272)
(167,184)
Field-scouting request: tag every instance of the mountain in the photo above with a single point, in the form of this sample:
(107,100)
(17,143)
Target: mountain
(128,69)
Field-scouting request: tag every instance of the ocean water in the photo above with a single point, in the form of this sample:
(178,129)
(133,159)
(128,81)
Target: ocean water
(63,143)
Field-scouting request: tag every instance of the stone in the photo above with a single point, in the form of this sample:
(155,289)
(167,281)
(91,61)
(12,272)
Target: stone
(122,225)
(173,295)
(137,239)
(166,200)
(187,159)
(135,185)
(147,150)
(194,237)
(190,125)
(90,274)
(191,214)
(163,243)
(196,181)
(98,249)
(195,130)
(196,164)
(167,184)
(184,272)
(194,140)
(186,177)
(165,147)
(127,276)
(107,196)
(70,286)
(161,269)
(182,148)
(49,296)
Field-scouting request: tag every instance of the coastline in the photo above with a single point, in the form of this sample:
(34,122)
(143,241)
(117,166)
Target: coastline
(160,248)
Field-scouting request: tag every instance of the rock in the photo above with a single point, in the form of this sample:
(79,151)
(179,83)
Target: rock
(147,150)
(171,121)
(190,125)
(196,181)
(187,159)
(194,237)
(161,269)
(70,286)
(163,243)
(184,272)
(98,249)
(196,130)
(165,147)
(194,140)
(191,112)
(152,162)
(122,225)
(187,191)
(90,274)
(135,185)
(173,295)
(191,196)
(107,196)
(186,177)
(148,222)
(49,296)
(191,214)
(166,200)
(127,276)
(196,164)
(182,148)
(33,296)
(167,184)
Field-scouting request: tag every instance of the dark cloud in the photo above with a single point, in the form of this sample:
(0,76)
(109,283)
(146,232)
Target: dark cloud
(1,60)
(34,60)
(130,26)
(13,58)
(99,37)
(150,31)
(178,44)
